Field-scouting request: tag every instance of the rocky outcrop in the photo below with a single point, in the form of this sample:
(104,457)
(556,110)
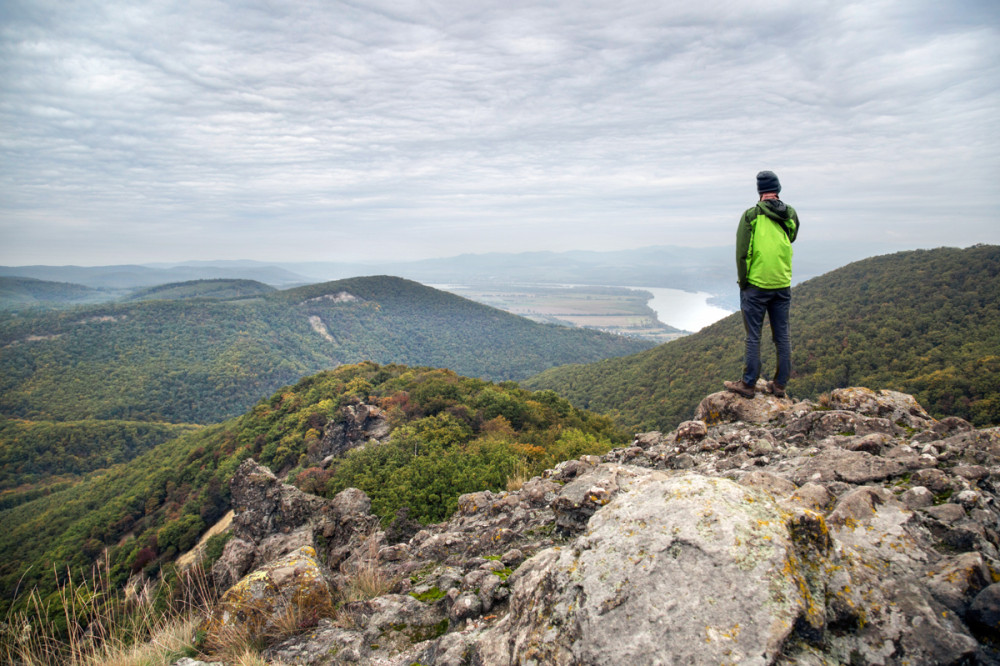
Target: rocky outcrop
(290,590)
(357,425)
(635,573)
(272,519)
(859,530)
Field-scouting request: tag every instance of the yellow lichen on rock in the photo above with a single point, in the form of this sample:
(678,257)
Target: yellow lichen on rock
(263,600)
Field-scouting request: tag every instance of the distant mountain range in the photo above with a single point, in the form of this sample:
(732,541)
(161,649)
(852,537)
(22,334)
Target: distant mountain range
(207,350)
(925,322)
(708,269)
(130,277)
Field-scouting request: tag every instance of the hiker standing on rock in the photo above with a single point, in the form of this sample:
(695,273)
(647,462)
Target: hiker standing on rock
(764,266)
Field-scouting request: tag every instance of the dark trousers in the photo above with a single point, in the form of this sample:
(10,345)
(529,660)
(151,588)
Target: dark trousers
(775,303)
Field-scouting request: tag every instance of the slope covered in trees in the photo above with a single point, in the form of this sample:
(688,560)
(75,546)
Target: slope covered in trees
(200,361)
(925,322)
(219,288)
(22,293)
(41,453)
(449,435)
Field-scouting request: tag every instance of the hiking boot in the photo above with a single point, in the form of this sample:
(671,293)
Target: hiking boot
(740,387)
(775,389)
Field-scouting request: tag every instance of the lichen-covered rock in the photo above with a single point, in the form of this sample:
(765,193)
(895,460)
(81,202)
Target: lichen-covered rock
(272,519)
(692,430)
(892,405)
(724,406)
(631,575)
(355,426)
(292,588)
(577,501)
(388,630)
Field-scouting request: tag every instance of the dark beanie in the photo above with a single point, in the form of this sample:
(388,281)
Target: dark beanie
(767,181)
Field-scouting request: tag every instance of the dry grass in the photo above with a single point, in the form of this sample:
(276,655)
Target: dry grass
(90,623)
(229,642)
(171,640)
(520,476)
(365,579)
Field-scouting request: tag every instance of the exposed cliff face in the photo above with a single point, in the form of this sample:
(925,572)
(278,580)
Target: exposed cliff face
(764,532)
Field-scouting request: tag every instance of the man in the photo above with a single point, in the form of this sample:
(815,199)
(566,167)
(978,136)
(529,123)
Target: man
(764,266)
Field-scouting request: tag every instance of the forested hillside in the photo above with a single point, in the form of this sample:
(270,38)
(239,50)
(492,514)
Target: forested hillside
(925,322)
(200,361)
(220,288)
(447,435)
(22,293)
(38,456)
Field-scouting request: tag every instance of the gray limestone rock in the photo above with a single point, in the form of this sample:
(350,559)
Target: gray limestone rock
(355,426)
(917,498)
(692,430)
(726,407)
(577,501)
(272,519)
(811,496)
(897,407)
(630,575)
(772,483)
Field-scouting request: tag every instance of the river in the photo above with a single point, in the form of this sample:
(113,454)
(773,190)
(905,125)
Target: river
(686,310)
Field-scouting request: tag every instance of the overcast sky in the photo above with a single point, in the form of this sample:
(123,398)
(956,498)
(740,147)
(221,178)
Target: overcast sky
(322,130)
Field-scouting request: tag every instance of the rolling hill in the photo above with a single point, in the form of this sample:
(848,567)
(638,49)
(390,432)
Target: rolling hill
(216,289)
(925,322)
(127,277)
(201,361)
(20,293)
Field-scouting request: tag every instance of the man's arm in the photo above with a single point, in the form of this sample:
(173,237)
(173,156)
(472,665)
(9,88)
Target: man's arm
(743,235)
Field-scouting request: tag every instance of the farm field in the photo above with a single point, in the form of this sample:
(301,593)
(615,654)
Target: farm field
(612,309)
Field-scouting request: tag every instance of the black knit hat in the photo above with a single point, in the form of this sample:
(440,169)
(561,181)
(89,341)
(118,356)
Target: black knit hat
(767,181)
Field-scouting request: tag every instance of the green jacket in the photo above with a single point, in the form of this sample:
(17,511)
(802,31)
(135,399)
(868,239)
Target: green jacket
(764,245)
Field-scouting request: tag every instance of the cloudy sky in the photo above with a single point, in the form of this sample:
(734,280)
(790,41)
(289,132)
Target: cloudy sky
(325,130)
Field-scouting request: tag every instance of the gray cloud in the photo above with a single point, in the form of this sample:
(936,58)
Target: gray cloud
(350,130)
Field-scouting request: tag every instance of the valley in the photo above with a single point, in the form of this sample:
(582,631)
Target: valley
(617,310)
(653,313)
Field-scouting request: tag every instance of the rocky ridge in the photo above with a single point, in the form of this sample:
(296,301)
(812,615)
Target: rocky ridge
(764,531)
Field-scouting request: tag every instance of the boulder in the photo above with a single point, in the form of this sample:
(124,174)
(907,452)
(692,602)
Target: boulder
(577,501)
(892,405)
(725,407)
(391,624)
(632,575)
(692,430)
(290,591)
(984,613)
